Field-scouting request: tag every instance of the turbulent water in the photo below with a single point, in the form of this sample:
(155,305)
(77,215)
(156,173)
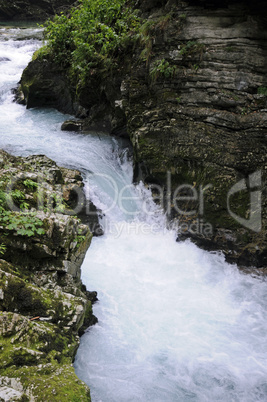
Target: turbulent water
(175,323)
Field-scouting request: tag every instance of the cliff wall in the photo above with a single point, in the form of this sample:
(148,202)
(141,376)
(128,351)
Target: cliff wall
(197,109)
(192,97)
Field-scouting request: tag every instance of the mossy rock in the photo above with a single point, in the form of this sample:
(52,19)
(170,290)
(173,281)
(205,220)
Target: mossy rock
(50,382)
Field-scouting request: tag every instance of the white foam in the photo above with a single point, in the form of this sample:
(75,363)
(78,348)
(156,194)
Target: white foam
(175,323)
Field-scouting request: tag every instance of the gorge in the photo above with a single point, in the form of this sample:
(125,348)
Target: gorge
(175,323)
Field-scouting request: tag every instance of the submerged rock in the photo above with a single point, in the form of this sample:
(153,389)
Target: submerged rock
(71,125)
(43,304)
(4,59)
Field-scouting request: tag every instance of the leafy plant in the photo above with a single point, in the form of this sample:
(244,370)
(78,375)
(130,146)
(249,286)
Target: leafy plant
(163,21)
(32,185)
(80,237)
(2,248)
(164,68)
(192,47)
(145,38)
(262,91)
(25,224)
(93,33)
(41,53)
(56,203)
(2,199)
(147,31)
(18,197)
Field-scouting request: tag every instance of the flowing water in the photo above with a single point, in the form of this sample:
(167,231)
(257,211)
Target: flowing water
(176,323)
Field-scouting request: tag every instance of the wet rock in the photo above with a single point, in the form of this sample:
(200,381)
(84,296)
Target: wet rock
(89,215)
(56,195)
(71,125)
(43,84)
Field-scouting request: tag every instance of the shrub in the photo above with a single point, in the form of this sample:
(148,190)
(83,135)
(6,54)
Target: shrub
(92,34)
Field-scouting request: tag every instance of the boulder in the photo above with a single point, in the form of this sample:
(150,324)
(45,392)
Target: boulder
(44,85)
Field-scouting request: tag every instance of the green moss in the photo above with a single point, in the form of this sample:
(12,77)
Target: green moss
(19,296)
(30,343)
(6,267)
(26,298)
(51,382)
(41,53)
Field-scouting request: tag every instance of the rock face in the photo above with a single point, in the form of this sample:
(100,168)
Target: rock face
(198,110)
(193,98)
(33,10)
(44,84)
(43,304)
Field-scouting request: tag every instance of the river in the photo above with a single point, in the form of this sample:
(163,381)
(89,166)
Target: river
(176,323)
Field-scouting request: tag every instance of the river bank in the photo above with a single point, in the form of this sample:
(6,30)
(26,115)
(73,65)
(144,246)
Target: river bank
(43,304)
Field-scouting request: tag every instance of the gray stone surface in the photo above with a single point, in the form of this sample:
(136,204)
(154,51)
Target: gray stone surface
(9,394)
